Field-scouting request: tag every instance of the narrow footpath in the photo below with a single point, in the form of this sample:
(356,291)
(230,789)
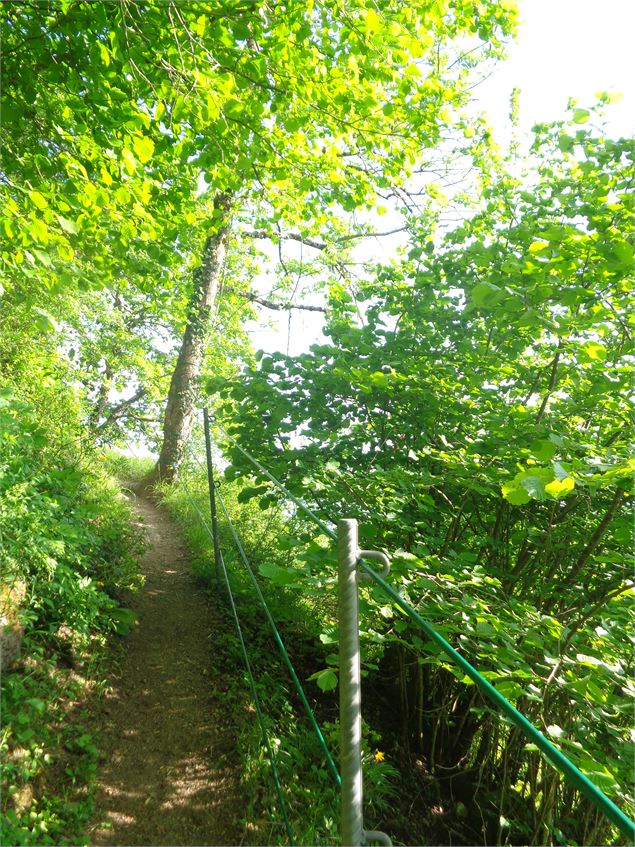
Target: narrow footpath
(168,772)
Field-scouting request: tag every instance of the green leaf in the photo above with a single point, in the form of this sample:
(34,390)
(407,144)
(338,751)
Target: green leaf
(278,575)
(535,486)
(248,493)
(515,495)
(123,620)
(199,25)
(581,116)
(560,487)
(67,225)
(372,21)
(555,731)
(509,688)
(42,256)
(103,52)
(326,679)
(596,352)
(598,774)
(543,450)
(129,161)
(485,295)
(38,200)
(143,147)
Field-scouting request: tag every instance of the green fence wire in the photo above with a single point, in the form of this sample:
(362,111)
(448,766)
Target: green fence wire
(318,732)
(299,503)
(553,755)
(557,759)
(252,682)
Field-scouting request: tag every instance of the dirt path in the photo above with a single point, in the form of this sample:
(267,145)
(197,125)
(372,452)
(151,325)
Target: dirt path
(168,772)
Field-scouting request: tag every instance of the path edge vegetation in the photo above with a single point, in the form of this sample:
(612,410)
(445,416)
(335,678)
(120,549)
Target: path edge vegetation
(70,545)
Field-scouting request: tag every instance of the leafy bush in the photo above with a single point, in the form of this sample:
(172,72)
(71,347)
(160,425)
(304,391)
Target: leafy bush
(69,557)
(470,408)
(128,468)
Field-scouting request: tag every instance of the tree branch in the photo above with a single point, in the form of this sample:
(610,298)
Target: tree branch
(595,539)
(289,236)
(573,629)
(120,408)
(312,242)
(269,304)
(552,384)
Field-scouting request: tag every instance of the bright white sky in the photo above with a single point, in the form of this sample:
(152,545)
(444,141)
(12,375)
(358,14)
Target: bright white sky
(565,48)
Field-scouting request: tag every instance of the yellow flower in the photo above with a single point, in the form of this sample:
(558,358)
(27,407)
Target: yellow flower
(379,756)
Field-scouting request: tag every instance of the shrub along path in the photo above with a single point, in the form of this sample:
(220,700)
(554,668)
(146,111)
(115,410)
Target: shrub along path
(168,772)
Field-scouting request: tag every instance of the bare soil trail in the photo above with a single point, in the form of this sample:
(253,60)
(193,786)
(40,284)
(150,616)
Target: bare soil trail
(168,772)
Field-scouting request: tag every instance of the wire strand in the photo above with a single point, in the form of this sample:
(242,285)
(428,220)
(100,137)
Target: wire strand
(299,503)
(252,682)
(332,766)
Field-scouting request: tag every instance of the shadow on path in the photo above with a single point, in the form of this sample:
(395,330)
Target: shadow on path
(168,772)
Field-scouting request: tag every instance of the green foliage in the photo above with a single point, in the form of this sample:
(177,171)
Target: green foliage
(128,468)
(471,408)
(48,751)
(62,525)
(113,160)
(68,559)
(471,411)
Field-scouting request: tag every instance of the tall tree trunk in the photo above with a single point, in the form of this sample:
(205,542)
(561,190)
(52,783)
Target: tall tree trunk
(181,403)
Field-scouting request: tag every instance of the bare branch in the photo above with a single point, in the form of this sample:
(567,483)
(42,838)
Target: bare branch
(121,408)
(312,242)
(290,236)
(269,304)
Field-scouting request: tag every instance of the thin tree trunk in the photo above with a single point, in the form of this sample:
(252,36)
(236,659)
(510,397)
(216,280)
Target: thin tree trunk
(181,403)
(596,538)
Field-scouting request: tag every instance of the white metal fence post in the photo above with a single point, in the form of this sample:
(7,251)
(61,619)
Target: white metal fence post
(350,685)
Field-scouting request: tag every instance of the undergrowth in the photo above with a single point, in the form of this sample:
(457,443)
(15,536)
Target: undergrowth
(69,558)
